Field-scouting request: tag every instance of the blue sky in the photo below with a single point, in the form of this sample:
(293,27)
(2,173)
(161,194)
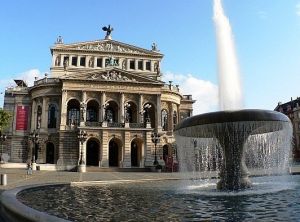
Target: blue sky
(266,34)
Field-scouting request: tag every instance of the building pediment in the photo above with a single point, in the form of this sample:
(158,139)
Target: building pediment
(113,75)
(106,46)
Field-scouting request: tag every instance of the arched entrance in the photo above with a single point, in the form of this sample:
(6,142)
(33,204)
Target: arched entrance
(92,153)
(114,152)
(136,152)
(50,153)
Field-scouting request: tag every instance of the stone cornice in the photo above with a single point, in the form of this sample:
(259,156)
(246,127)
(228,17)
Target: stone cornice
(109,47)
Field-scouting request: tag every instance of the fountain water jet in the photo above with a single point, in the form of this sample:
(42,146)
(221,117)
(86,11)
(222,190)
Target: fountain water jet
(231,127)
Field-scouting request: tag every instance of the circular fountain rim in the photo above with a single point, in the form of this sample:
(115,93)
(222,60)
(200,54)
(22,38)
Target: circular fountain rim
(232,116)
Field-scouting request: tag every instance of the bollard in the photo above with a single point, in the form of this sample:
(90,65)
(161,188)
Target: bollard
(3,179)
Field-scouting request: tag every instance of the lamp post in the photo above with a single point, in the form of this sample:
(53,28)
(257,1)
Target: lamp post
(155,139)
(82,136)
(34,137)
(2,139)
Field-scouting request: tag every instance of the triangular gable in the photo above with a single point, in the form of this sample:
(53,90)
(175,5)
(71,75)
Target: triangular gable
(109,46)
(114,75)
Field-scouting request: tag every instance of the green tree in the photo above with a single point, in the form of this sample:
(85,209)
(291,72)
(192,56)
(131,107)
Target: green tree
(4,119)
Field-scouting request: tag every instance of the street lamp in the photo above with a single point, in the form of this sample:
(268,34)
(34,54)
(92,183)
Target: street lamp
(155,139)
(82,136)
(2,139)
(34,137)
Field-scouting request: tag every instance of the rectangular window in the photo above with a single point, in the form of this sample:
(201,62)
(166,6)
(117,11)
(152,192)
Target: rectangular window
(82,61)
(140,65)
(99,62)
(106,62)
(74,61)
(132,64)
(148,65)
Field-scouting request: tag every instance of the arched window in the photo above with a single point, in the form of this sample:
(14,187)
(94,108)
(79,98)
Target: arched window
(73,112)
(164,119)
(92,111)
(128,115)
(52,116)
(110,115)
(174,119)
(39,117)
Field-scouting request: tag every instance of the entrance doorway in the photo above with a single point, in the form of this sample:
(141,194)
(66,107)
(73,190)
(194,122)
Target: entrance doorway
(134,154)
(92,153)
(49,153)
(113,153)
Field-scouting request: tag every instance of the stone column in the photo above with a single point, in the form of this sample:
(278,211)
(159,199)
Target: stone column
(44,121)
(158,112)
(102,111)
(127,64)
(140,109)
(54,59)
(33,115)
(62,60)
(78,61)
(127,150)
(87,60)
(148,150)
(121,114)
(152,65)
(63,110)
(136,64)
(95,62)
(103,62)
(70,60)
(171,114)
(83,109)
(104,144)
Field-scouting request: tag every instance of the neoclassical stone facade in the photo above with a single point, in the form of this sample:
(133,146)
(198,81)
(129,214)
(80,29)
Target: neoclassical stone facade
(108,91)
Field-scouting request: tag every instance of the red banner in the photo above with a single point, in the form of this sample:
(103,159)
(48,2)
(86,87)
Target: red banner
(22,117)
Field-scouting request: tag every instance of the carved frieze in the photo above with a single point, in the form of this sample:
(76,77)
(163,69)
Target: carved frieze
(109,47)
(111,76)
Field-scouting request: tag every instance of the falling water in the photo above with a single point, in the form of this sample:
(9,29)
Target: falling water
(265,154)
(230,92)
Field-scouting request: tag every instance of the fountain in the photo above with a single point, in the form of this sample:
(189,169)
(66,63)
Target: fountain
(232,126)
(224,141)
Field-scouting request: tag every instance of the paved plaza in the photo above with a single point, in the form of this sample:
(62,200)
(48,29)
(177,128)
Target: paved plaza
(19,177)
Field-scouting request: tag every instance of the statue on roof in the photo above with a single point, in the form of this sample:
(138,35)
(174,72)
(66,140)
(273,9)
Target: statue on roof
(108,31)
(59,40)
(154,47)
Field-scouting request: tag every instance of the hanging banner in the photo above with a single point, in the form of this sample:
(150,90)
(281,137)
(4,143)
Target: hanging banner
(22,117)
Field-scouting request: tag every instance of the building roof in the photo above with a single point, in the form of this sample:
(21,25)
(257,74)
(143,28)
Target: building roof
(288,107)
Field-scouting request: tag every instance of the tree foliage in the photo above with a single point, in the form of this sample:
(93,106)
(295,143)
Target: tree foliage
(4,119)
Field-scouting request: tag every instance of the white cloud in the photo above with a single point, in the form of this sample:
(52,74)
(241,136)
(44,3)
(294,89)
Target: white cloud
(27,76)
(298,9)
(204,92)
